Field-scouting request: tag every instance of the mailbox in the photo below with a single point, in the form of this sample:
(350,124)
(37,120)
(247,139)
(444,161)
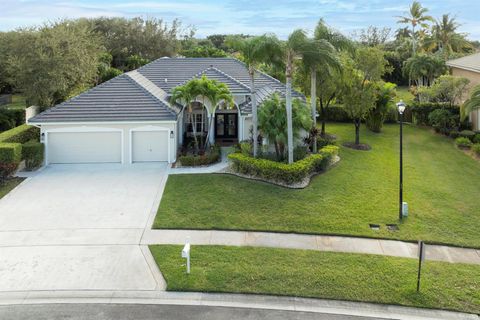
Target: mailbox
(186,255)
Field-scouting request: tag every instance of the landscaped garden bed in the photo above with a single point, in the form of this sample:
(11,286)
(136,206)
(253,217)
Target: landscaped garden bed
(440,185)
(210,156)
(328,275)
(294,175)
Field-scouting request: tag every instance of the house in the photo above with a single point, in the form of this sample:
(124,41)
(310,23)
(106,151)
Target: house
(131,119)
(468,67)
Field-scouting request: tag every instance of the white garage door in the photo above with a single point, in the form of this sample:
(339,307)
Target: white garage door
(84,147)
(149,146)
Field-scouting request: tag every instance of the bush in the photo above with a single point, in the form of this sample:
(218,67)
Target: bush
(336,114)
(32,153)
(421,111)
(463,143)
(11,118)
(10,157)
(299,152)
(476,149)
(282,172)
(476,138)
(454,134)
(443,121)
(325,141)
(212,156)
(20,134)
(467,134)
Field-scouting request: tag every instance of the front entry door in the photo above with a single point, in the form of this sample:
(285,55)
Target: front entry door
(226,126)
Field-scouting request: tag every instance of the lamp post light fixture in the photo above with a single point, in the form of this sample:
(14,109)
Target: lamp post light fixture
(401,109)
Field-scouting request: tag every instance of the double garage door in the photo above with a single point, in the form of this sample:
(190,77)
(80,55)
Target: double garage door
(107,147)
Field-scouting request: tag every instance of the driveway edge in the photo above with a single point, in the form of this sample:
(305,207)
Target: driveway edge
(232,301)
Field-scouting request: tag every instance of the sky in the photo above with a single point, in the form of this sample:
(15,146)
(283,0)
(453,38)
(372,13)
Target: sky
(242,16)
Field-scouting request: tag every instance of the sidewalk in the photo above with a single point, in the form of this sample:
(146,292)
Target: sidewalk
(311,242)
(232,300)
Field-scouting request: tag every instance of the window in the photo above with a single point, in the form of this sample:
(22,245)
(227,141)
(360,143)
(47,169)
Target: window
(200,120)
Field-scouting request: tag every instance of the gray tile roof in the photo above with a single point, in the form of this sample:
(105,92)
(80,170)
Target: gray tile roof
(119,99)
(124,98)
(261,94)
(471,62)
(168,73)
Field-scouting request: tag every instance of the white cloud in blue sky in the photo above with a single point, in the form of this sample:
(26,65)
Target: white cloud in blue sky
(241,16)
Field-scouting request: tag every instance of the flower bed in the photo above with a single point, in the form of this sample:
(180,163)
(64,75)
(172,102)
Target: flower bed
(295,175)
(211,156)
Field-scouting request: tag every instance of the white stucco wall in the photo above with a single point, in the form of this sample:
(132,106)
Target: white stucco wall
(125,129)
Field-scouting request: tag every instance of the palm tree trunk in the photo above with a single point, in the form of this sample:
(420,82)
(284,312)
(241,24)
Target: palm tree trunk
(288,97)
(313,101)
(254,111)
(209,132)
(414,38)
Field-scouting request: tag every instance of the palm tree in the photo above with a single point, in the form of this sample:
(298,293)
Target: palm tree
(318,54)
(186,95)
(416,17)
(215,92)
(254,51)
(446,38)
(296,44)
(472,103)
(423,69)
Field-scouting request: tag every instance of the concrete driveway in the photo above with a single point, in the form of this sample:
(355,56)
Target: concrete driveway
(76,227)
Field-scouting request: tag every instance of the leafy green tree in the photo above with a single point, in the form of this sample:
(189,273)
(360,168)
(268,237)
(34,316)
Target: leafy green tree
(446,88)
(359,93)
(423,69)
(54,62)
(416,16)
(135,61)
(203,52)
(272,120)
(255,51)
(385,93)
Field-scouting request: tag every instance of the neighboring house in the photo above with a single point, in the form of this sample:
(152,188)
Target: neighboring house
(468,67)
(130,118)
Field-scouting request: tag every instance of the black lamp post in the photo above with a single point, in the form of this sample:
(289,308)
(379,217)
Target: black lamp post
(401,108)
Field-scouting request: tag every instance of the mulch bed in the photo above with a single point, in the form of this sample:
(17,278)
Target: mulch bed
(360,146)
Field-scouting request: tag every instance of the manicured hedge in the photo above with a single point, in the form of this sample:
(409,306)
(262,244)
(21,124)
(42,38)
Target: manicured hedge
(20,134)
(463,143)
(32,153)
(283,172)
(212,156)
(420,111)
(11,147)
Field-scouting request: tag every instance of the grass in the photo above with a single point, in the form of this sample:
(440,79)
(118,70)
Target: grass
(9,185)
(441,186)
(18,102)
(405,95)
(343,276)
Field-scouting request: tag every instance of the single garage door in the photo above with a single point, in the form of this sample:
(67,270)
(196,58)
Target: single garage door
(149,146)
(84,147)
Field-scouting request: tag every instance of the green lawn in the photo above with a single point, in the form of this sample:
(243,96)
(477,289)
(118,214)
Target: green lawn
(329,275)
(9,185)
(404,94)
(441,186)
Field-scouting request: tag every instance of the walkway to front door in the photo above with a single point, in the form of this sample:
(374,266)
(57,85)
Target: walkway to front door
(226,128)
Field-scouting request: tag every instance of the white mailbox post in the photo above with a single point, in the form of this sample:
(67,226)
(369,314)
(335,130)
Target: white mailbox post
(186,254)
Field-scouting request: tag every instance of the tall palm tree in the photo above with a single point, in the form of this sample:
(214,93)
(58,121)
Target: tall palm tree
(446,38)
(472,103)
(254,51)
(416,16)
(215,92)
(293,48)
(423,69)
(318,54)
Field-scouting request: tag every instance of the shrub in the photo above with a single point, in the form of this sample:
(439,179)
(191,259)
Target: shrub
(11,118)
(325,141)
(32,153)
(463,143)
(336,114)
(282,172)
(20,134)
(454,134)
(476,138)
(421,111)
(442,120)
(246,148)
(10,157)
(212,156)
(467,134)
(476,149)
(299,153)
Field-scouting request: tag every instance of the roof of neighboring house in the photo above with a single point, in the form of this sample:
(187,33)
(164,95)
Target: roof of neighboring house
(142,95)
(471,62)
(119,99)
